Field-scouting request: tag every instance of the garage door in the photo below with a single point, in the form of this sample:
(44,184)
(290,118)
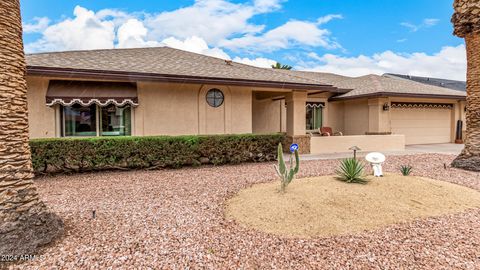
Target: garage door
(422,125)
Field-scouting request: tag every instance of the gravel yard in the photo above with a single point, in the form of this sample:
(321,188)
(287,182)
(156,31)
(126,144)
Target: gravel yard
(324,206)
(174,219)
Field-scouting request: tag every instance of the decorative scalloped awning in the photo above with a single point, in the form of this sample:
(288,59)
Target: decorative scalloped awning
(85,93)
(316,104)
(421,105)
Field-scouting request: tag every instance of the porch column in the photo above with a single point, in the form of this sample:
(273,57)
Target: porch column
(378,119)
(296,123)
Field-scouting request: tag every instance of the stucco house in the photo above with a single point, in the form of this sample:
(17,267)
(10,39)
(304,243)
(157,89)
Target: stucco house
(164,91)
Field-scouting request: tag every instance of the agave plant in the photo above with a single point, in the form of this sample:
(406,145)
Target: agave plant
(406,170)
(286,174)
(351,171)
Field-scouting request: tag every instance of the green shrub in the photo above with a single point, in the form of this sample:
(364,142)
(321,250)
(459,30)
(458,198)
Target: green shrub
(64,155)
(351,171)
(286,174)
(406,170)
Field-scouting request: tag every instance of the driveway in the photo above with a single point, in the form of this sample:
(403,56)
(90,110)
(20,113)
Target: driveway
(447,149)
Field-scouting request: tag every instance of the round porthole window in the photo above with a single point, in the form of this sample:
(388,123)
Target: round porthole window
(215,98)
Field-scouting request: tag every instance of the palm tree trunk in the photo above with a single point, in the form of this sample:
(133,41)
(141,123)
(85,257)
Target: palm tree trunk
(469,159)
(25,222)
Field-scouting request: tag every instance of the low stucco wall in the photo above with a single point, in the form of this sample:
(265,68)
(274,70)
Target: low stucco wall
(339,144)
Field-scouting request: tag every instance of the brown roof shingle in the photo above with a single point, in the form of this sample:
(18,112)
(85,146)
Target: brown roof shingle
(375,85)
(174,63)
(162,61)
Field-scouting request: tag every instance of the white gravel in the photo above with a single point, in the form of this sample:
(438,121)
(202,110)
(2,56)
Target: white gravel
(173,219)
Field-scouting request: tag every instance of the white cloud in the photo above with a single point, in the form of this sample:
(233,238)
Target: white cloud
(430,22)
(426,23)
(291,34)
(328,18)
(449,63)
(196,45)
(85,31)
(213,20)
(39,25)
(267,5)
(132,34)
(257,62)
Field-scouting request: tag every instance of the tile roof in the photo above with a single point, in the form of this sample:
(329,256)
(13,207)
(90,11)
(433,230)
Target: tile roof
(371,85)
(160,60)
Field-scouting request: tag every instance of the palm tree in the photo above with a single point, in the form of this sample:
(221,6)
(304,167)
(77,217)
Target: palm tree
(280,66)
(25,223)
(466,21)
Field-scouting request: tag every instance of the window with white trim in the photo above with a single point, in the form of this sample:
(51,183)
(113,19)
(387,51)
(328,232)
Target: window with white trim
(94,120)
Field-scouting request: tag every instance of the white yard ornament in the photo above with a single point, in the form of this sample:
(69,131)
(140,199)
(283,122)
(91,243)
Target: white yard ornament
(376,159)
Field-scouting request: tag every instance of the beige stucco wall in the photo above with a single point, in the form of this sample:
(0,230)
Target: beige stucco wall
(271,115)
(268,116)
(356,117)
(367,115)
(339,144)
(41,118)
(164,109)
(378,119)
(334,116)
(181,109)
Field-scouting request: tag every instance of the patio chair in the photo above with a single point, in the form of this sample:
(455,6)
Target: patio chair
(328,131)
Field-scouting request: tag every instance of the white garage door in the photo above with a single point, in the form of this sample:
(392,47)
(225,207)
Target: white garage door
(422,125)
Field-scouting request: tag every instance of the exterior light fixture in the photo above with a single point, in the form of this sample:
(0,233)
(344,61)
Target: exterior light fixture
(386,107)
(354,149)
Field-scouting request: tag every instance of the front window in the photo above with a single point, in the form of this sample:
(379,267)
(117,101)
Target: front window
(314,116)
(115,121)
(80,121)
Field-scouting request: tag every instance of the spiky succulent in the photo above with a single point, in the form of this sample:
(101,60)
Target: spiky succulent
(406,170)
(351,171)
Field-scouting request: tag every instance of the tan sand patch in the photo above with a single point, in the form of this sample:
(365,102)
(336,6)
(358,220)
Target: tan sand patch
(323,206)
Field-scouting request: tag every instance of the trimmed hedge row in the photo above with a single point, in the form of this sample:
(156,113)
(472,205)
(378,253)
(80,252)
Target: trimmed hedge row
(94,154)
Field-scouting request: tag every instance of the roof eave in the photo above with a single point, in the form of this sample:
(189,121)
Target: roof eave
(387,94)
(135,76)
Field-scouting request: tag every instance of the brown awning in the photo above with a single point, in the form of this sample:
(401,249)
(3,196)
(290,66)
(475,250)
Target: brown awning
(86,93)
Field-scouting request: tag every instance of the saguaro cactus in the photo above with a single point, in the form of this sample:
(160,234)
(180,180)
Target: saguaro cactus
(286,175)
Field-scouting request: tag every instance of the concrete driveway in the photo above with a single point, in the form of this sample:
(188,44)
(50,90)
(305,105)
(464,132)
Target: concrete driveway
(448,149)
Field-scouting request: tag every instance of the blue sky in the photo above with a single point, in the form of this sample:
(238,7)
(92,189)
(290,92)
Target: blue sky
(350,37)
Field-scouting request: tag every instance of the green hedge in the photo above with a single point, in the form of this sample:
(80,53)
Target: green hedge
(94,154)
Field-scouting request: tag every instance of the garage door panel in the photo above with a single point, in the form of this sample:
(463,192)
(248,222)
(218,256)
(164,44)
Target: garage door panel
(422,125)
(418,124)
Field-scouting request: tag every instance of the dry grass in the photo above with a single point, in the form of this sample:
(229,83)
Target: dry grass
(323,206)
